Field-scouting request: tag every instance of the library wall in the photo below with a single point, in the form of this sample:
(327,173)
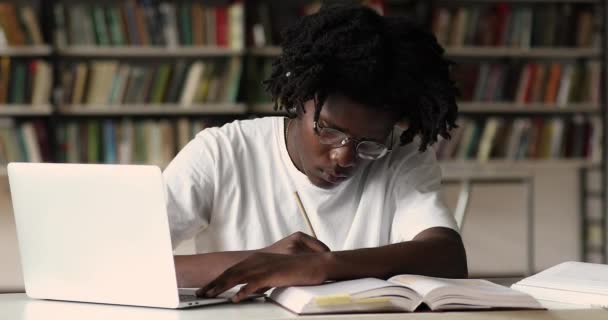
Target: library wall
(494,229)
(104,82)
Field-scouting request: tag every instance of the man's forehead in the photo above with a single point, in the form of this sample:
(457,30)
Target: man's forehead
(359,121)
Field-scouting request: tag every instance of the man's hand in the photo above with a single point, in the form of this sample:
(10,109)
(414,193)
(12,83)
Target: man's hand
(296,243)
(262,271)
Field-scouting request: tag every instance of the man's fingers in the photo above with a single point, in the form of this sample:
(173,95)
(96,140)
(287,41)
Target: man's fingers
(223,282)
(246,290)
(201,292)
(262,290)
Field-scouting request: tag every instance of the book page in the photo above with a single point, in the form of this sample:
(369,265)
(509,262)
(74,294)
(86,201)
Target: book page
(359,295)
(351,287)
(421,284)
(440,293)
(473,288)
(571,275)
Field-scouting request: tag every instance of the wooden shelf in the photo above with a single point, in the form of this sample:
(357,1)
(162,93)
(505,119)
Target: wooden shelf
(482,51)
(513,165)
(501,52)
(25,51)
(269,51)
(153,109)
(265,108)
(151,52)
(531,108)
(24,110)
(483,107)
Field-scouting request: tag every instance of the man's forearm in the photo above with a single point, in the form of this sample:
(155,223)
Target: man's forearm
(197,270)
(439,256)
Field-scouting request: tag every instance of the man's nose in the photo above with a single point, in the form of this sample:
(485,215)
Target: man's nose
(345,156)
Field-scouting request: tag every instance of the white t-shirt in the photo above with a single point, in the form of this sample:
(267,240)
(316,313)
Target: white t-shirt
(232,188)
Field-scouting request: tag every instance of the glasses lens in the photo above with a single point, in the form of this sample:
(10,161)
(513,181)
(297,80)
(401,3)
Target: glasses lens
(331,136)
(371,150)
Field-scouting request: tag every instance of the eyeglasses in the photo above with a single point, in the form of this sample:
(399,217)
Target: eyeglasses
(365,149)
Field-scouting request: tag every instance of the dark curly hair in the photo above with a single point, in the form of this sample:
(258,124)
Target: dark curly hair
(382,62)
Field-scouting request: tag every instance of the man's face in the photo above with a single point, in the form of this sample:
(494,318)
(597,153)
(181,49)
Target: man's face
(327,166)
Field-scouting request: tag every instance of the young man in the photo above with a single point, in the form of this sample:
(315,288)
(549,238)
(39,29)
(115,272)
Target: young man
(347,76)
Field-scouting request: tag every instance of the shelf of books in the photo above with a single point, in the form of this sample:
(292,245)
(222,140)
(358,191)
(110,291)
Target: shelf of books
(149,52)
(154,109)
(481,52)
(529,74)
(166,27)
(502,52)
(132,81)
(24,141)
(269,51)
(20,32)
(26,51)
(127,140)
(26,81)
(187,87)
(26,110)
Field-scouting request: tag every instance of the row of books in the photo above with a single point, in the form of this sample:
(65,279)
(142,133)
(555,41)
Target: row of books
(521,26)
(19,25)
(149,23)
(523,138)
(25,81)
(126,141)
(557,83)
(258,69)
(110,82)
(269,18)
(157,141)
(24,141)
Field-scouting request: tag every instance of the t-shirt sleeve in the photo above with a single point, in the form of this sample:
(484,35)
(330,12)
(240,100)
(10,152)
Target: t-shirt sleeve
(418,205)
(189,187)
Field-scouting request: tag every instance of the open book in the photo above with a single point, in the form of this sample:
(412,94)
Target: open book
(569,282)
(403,293)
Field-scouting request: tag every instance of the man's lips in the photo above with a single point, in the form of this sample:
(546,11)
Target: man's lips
(334,178)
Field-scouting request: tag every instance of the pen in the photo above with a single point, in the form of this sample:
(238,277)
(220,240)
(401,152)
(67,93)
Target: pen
(304,215)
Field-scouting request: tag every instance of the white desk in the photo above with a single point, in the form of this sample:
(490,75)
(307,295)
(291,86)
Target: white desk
(19,307)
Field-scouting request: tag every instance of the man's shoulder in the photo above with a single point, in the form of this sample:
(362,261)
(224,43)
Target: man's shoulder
(404,158)
(238,130)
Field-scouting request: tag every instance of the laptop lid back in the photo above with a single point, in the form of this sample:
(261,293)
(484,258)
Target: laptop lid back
(94,233)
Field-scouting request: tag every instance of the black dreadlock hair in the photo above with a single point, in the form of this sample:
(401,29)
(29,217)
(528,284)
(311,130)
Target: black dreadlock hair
(382,62)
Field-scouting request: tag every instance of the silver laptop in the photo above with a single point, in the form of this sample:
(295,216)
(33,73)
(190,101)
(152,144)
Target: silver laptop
(96,233)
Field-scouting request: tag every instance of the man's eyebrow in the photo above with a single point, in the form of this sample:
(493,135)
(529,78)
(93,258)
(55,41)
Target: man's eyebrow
(329,124)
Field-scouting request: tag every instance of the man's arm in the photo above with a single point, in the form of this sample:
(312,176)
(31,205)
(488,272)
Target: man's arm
(195,271)
(435,252)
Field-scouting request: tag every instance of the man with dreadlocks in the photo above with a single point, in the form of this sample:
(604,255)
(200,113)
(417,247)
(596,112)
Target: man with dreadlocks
(346,76)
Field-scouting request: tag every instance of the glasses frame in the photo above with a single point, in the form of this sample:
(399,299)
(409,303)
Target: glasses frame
(317,128)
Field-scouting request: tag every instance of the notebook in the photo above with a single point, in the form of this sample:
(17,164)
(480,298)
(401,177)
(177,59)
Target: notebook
(402,293)
(569,282)
(97,233)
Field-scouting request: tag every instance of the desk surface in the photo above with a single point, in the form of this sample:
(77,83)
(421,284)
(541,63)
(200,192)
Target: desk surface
(20,307)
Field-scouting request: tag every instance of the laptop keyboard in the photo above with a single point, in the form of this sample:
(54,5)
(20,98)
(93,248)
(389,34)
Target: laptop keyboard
(188,297)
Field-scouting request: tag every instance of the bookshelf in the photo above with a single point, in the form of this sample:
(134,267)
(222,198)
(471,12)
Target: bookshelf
(27,51)
(148,52)
(153,109)
(483,52)
(77,41)
(16,110)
